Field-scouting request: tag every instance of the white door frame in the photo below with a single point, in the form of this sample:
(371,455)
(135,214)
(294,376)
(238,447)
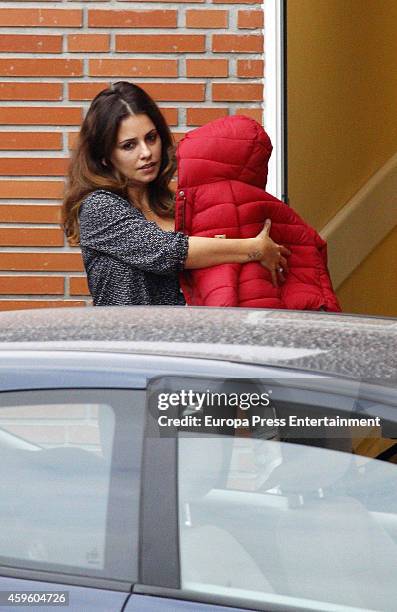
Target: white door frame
(273,105)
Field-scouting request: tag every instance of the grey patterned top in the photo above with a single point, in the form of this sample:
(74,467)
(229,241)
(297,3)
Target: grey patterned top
(128,260)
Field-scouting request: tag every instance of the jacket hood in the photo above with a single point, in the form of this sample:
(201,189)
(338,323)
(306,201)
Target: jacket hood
(230,148)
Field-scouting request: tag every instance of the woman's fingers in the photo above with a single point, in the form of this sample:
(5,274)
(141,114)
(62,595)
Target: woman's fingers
(274,256)
(264,233)
(273,274)
(267,226)
(283,263)
(273,271)
(284,251)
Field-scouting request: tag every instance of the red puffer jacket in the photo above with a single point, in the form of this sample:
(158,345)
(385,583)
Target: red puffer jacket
(222,171)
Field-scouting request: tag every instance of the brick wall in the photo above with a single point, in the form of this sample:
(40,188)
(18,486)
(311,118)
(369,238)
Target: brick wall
(199,59)
(54,425)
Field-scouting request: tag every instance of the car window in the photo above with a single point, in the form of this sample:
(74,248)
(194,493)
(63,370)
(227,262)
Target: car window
(70,481)
(292,515)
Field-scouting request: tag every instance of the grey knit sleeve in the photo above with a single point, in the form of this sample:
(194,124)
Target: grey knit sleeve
(110,225)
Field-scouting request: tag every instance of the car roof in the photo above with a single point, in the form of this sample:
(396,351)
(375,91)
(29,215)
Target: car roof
(359,347)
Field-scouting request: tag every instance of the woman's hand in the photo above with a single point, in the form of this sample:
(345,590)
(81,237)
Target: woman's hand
(271,255)
(205,252)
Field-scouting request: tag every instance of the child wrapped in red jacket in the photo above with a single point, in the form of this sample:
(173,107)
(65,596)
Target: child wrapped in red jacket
(222,172)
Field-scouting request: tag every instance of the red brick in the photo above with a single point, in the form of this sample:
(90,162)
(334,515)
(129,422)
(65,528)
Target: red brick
(237,43)
(161,92)
(86,91)
(170,92)
(235,1)
(206,19)
(72,140)
(32,285)
(34,166)
(41,67)
(207,68)
(177,136)
(251,20)
(32,236)
(170,1)
(31,213)
(28,304)
(170,115)
(133,68)
(166,43)
(88,43)
(25,43)
(41,17)
(30,91)
(40,115)
(236,92)
(202,115)
(51,262)
(132,19)
(30,141)
(250,69)
(254,113)
(78,285)
(30,190)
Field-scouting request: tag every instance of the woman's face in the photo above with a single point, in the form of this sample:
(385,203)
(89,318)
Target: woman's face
(137,152)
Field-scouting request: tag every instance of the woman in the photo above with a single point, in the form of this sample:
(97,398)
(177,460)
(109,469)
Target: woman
(119,207)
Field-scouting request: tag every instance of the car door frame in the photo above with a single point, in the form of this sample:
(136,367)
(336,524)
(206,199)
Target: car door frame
(159,527)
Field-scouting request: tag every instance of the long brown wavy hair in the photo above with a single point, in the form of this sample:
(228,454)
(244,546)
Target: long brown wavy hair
(91,167)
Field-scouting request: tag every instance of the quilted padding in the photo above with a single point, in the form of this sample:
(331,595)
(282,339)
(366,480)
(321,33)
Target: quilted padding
(222,172)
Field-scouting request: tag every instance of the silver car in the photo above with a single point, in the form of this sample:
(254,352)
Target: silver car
(185,459)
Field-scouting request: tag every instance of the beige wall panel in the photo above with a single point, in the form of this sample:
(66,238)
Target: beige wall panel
(342,99)
(372,288)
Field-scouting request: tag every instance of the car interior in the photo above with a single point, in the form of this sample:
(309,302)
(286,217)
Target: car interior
(320,526)
(54,506)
